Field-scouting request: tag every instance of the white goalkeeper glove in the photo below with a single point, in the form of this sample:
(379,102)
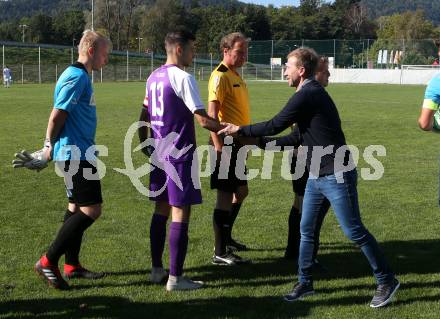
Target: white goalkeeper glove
(35,161)
(436,123)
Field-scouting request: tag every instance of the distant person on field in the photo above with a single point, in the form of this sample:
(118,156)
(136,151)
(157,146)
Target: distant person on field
(7,77)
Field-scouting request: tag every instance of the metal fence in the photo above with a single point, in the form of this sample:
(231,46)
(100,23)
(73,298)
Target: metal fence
(35,63)
(346,53)
(39,63)
(113,72)
(363,53)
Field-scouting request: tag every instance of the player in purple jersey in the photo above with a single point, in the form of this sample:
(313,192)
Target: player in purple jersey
(171,102)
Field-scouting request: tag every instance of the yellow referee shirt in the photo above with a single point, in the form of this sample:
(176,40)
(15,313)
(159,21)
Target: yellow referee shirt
(229,89)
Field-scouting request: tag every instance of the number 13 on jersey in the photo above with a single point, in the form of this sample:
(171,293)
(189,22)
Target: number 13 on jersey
(156,91)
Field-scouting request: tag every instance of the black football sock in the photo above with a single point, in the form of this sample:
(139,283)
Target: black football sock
(232,217)
(294,233)
(67,215)
(73,226)
(72,251)
(221,230)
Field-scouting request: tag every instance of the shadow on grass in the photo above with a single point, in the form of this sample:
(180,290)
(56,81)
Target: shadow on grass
(342,260)
(404,257)
(118,307)
(221,307)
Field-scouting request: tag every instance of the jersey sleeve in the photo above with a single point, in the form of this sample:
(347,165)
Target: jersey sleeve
(217,88)
(190,94)
(432,95)
(69,93)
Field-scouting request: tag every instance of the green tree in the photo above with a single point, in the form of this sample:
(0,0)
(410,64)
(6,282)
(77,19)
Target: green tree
(68,26)
(379,8)
(257,22)
(408,32)
(10,31)
(215,22)
(408,25)
(117,18)
(309,7)
(41,28)
(284,23)
(158,20)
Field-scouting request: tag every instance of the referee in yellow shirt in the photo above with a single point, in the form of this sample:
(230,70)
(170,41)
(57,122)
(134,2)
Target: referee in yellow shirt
(228,101)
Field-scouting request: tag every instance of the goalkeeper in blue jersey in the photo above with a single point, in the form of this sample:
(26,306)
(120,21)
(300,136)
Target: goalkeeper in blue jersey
(429,116)
(70,142)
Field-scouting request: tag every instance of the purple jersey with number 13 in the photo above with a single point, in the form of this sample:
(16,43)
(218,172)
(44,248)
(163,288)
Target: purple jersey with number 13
(172,96)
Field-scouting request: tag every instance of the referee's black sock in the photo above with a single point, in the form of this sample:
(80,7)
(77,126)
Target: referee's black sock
(221,230)
(232,217)
(72,227)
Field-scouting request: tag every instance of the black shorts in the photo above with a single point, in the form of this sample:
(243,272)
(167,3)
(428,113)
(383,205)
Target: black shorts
(232,182)
(82,189)
(299,185)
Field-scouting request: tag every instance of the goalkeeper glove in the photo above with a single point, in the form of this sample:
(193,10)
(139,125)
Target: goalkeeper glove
(436,124)
(148,150)
(35,161)
(146,147)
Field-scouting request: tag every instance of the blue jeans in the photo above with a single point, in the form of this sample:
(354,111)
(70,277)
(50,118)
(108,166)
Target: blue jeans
(343,198)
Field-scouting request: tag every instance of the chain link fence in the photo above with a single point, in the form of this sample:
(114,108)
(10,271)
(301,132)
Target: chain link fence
(39,63)
(363,53)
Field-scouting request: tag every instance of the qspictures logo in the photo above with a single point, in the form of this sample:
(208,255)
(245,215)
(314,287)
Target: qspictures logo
(165,154)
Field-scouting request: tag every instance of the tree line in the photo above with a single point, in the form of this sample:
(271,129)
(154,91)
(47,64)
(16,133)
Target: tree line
(142,24)
(379,8)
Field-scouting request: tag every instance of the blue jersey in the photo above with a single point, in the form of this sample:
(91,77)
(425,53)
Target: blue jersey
(74,94)
(432,94)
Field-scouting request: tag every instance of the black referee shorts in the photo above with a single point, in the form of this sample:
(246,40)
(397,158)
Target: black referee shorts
(232,182)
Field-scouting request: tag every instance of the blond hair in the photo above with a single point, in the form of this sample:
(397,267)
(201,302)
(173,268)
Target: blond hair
(306,58)
(91,39)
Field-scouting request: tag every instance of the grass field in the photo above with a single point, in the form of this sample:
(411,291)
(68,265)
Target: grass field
(400,209)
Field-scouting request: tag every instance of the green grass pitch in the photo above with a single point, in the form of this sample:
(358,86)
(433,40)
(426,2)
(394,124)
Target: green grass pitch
(400,209)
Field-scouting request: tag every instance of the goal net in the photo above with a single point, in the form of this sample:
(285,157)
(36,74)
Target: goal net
(417,73)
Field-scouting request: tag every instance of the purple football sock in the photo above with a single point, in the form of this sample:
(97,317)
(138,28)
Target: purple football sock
(158,232)
(178,247)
